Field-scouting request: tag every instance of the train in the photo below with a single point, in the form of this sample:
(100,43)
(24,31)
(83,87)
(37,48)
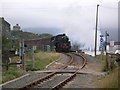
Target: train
(61,43)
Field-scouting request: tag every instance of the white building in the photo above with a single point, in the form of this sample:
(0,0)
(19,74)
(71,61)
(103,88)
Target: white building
(16,27)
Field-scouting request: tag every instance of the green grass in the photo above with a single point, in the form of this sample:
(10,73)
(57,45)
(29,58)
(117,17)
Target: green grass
(109,81)
(105,63)
(41,60)
(15,59)
(0,77)
(102,58)
(11,73)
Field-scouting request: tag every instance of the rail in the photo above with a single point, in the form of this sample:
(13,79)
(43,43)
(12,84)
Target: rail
(33,83)
(62,83)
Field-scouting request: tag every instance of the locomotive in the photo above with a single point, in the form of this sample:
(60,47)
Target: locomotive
(61,43)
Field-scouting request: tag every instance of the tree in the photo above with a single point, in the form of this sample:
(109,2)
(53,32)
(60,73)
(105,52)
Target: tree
(6,42)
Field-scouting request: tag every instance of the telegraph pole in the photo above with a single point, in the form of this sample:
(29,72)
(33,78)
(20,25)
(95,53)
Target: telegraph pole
(96,30)
(106,34)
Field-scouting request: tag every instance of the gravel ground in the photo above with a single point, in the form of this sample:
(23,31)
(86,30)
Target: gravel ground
(87,80)
(76,64)
(93,64)
(22,81)
(78,61)
(64,59)
(52,81)
(31,77)
(82,81)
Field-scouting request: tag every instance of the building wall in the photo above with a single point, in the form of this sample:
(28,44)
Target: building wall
(16,27)
(4,27)
(112,49)
(119,24)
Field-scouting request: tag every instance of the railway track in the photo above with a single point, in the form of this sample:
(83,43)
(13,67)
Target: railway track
(84,60)
(62,83)
(35,82)
(53,75)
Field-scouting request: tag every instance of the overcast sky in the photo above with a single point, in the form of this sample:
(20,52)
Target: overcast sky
(76,18)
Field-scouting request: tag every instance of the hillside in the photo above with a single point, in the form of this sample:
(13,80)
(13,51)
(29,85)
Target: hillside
(8,42)
(50,30)
(28,35)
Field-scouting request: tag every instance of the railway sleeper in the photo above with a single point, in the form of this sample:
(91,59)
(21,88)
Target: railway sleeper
(61,84)
(29,85)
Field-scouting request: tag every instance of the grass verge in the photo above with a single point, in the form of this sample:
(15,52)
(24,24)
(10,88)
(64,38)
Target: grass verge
(109,81)
(11,73)
(41,60)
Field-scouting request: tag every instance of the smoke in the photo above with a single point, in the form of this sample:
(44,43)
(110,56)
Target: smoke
(79,24)
(70,17)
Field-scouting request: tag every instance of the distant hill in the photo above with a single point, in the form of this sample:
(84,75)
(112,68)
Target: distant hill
(40,30)
(28,35)
(45,35)
(9,42)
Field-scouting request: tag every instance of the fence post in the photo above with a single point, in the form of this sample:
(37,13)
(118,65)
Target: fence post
(118,58)
(21,53)
(111,62)
(7,66)
(5,59)
(107,61)
(33,58)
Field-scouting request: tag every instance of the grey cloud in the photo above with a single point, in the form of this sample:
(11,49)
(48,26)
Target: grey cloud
(75,20)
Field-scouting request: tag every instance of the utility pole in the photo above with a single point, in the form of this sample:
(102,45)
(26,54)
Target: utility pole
(96,30)
(106,34)
(107,62)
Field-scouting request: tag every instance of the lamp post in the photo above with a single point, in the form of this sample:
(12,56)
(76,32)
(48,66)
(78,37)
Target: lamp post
(96,29)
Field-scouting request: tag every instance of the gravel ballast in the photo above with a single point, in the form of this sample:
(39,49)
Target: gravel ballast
(19,82)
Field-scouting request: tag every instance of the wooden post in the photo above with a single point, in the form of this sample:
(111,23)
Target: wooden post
(107,61)
(112,61)
(21,54)
(33,58)
(7,66)
(5,59)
